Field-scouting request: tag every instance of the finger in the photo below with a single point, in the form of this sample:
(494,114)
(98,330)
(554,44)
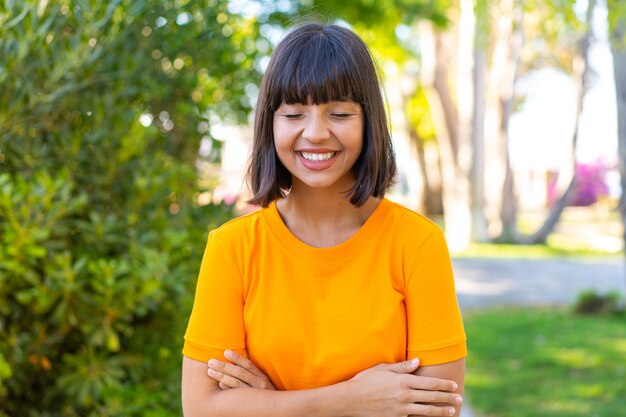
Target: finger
(246,363)
(235,371)
(431,384)
(227,380)
(223,386)
(435,397)
(431,410)
(404,367)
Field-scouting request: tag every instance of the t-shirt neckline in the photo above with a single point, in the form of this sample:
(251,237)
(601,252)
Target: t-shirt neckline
(330,255)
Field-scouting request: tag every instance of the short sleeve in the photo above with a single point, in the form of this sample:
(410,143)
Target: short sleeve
(434,324)
(216,321)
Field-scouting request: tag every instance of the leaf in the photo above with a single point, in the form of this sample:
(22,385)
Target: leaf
(113,342)
(17,19)
(26,296)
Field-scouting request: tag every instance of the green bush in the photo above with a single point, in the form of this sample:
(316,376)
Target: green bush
(590,302)
(101,234)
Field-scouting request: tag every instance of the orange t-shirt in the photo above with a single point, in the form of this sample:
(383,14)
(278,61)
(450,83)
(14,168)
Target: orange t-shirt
(311,317)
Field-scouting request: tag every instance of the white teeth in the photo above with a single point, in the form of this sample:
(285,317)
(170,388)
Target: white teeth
(318,156)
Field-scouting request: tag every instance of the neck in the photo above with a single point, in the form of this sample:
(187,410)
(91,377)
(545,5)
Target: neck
(322,218)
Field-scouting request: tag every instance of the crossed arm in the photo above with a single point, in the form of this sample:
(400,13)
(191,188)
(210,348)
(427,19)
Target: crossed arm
(401,389)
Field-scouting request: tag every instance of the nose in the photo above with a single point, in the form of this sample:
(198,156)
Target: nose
(316,127)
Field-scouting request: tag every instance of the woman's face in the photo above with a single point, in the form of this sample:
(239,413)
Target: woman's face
(319,144)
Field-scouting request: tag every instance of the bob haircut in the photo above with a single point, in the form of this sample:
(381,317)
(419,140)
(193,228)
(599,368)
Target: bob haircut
(320,63)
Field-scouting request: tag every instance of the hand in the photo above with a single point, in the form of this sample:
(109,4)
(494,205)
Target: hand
(242,372)
(391,390)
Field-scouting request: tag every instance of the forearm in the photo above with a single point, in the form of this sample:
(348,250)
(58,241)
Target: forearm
(384,389)
(327,401)
(202,397)
(454,371)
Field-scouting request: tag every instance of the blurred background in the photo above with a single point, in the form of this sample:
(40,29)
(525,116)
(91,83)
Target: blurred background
(124,132)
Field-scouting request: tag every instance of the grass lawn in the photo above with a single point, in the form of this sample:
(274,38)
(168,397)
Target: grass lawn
(545,362)
(547,251)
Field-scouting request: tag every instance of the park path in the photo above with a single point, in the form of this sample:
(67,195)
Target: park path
(487,282)
(482,283)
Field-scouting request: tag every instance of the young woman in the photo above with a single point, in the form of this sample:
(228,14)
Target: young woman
(338,298)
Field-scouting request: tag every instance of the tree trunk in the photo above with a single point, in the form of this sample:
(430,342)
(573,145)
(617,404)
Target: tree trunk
(508,214)
(477,171)
(473,41)
(581,71)
(619,65)
(499,90)
(541,235)
(440,84)
(508,210)
(454,169)
(431,197)
(617,17)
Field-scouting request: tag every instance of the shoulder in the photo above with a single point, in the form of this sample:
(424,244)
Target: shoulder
(409,224)
(239,237)
(240,226)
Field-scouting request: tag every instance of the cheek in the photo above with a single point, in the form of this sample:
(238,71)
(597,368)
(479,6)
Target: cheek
(282,145)
(355,139)
(357,145)
(281,135)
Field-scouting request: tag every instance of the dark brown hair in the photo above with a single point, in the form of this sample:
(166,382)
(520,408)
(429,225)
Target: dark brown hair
(319,63)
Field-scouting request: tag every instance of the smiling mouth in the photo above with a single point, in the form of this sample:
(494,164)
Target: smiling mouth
(317,156)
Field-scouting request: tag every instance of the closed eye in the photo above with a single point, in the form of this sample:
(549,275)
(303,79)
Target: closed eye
(343,115)
(292,115)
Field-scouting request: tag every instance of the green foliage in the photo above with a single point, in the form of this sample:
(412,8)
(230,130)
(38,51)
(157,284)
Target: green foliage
(375,21)
(617,23)
(419,115)
(553,31)
(5,372)
(380,15)
(590,302)
(545,363)
(100,231)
